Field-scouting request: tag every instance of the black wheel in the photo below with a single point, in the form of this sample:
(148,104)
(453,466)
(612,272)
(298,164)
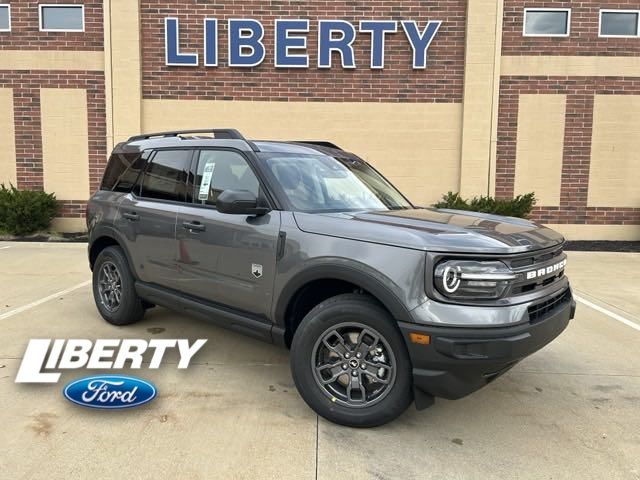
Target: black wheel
(350,363)
(113,288)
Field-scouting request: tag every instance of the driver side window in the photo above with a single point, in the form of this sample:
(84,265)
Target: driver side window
(220,170)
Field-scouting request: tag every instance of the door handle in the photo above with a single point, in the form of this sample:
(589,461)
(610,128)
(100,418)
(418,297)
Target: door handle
(133,216)
(194,226)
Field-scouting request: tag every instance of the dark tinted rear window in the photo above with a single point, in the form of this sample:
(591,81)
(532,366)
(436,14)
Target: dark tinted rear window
(166,176)
(122,171)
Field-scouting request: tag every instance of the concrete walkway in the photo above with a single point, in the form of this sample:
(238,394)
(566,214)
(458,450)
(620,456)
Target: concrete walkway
(569,411)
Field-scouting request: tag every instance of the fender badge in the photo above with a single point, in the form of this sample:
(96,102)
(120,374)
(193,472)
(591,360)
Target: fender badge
(256,270)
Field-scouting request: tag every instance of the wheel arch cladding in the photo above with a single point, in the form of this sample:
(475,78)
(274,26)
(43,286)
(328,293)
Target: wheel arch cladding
(312,286)
(107,238)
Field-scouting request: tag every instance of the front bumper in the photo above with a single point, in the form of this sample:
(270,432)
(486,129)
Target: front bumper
(460,360)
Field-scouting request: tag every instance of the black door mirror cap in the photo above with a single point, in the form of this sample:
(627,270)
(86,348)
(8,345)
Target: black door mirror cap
(240,202)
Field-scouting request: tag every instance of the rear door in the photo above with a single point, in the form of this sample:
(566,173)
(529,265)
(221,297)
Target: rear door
(147,216)
(226,259)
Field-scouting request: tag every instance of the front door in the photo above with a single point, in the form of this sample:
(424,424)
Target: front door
(226,259)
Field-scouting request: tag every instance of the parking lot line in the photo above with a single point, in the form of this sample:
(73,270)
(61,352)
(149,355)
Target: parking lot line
(608,313)
(4,248)
(43,300)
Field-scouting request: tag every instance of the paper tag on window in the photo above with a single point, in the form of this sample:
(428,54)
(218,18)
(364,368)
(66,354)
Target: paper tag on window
(207,176)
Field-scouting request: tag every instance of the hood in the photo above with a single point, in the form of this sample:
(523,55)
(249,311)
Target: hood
(434,230)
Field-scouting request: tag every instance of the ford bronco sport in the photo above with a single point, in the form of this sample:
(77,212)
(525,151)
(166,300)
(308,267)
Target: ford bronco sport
(306,245)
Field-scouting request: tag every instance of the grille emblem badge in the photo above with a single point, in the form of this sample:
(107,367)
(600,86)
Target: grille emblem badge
(541,272)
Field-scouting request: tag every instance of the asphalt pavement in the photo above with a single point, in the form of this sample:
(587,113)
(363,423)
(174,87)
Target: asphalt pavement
(572,410)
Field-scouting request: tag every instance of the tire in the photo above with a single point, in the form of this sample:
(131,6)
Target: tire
(130,308)
(352,317)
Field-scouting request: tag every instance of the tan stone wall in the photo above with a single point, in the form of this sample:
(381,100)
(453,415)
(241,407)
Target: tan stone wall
(65,141)
(424,164)
(541,120)
(570,66)
(122,69)
(7,138)
(615,152)
(425,147)
(597,232)
(51,60)
(481,80)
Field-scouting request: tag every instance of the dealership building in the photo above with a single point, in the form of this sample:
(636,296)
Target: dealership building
(498,97)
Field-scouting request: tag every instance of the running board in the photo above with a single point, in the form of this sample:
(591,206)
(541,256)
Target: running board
(217,314)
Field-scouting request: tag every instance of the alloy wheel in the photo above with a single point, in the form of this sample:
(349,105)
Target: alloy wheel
(110,286)
(353,365)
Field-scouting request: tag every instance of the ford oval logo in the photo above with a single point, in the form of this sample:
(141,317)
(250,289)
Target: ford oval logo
(110,391)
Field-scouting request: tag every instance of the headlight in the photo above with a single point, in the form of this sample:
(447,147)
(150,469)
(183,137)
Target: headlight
(468,280)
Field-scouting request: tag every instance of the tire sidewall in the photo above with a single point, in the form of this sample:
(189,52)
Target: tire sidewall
(344,309)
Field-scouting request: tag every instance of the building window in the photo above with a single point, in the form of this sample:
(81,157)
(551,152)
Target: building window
(5,17)
(619,23)
(61,18)
(546,22)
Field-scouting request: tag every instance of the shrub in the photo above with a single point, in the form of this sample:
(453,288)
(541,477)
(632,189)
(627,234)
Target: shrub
(25,211)
(517,207)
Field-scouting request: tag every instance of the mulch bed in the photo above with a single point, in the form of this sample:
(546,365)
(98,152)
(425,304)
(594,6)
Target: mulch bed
(47,237)
(602,246)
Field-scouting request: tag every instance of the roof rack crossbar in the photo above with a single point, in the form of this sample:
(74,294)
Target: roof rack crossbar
(220,133)
(217,132)
(320,143)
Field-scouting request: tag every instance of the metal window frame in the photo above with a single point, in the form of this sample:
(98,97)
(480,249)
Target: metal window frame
(542,9)
(8,5)
(613,10)
(41,6)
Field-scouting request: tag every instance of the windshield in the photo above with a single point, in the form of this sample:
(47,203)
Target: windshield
(319,183)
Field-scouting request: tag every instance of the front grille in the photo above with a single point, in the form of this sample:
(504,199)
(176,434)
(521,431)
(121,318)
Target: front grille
(524,264)
(536,258)
(541,310)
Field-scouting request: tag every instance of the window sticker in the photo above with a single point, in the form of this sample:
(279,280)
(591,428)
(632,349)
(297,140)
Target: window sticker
(207,176)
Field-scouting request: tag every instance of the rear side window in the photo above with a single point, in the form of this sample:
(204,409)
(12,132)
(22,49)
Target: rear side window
(122,171)
(166,175)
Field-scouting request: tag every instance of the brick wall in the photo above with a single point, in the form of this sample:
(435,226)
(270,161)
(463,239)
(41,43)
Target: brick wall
(26,87)
(398,82)
(580,93)
(72,208)
(25,34)
(583,39)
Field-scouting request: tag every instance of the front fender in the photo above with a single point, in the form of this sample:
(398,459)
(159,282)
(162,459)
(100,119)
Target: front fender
(360,274)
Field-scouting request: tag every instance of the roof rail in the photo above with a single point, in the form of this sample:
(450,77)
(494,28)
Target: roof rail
(220,133)
(320,143)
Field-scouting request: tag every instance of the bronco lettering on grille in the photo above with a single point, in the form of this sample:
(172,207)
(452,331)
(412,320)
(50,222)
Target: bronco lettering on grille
(541,272)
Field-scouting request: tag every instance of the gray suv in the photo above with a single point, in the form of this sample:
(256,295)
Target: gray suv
(307,246)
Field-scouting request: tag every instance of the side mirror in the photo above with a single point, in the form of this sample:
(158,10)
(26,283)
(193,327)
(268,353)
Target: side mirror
(240,202)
